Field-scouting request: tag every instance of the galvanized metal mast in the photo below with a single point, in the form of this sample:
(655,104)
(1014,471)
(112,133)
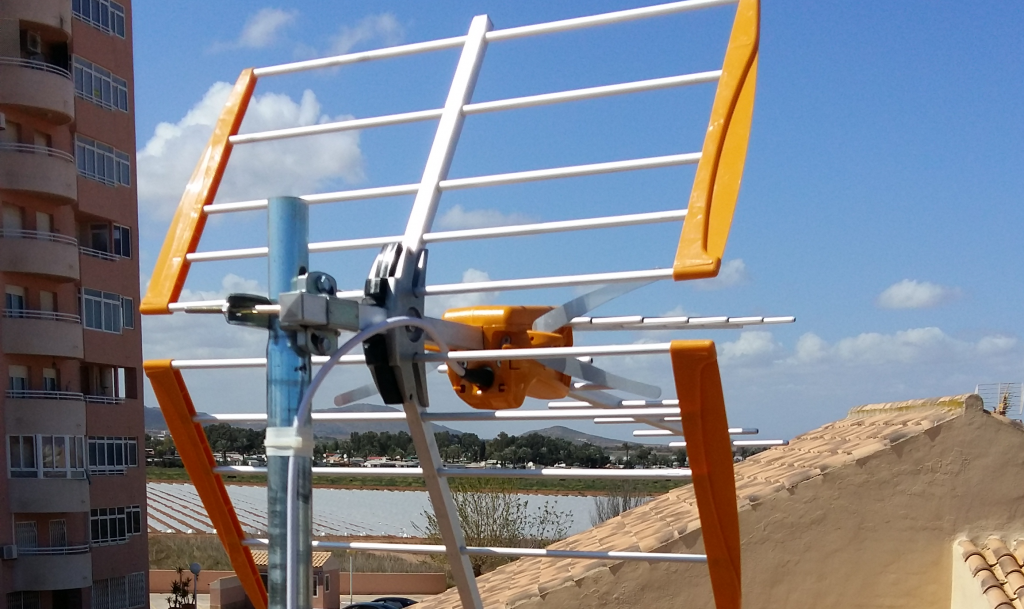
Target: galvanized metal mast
(288,375)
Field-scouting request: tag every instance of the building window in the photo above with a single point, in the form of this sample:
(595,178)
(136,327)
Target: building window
(50,380)
(128,311)
(98,85)
(17,378)
(125,592)
(101,311)
(46,456)
(25,535)
(22,600)
(22,456)
(14,300)
(122,241)
(327,583)
(316,582)
(103,163)
(105,15)
(112,455)
(114,525)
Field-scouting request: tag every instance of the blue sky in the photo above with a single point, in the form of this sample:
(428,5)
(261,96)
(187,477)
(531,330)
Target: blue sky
(880,204)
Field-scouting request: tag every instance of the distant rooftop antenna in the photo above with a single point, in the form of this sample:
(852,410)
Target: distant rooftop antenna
(1002,398)
(494,356)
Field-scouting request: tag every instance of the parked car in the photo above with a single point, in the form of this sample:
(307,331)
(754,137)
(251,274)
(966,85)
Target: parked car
(398,602)
(368,605)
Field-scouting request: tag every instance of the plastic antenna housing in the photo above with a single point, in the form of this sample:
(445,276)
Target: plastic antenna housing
(513,380)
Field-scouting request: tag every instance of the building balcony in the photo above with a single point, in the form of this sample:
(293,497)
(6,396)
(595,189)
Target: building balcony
(26,332)
(39,170)
(58,413)
(55,14)
(39,253)
(38,88)
(58,568)
(48,495)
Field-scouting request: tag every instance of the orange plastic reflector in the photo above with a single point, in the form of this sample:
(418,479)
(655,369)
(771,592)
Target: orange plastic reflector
(709,451)
(196,456)
(717,182)
(187,226)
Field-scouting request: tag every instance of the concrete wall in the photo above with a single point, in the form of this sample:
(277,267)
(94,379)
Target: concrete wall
(45,416)
(227,593)
(391,583)
(875,533)
(160,579)
(48,495)
(51,259)
(41,337)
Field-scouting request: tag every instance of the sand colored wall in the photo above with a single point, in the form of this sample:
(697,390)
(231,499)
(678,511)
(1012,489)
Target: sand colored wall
(874,533)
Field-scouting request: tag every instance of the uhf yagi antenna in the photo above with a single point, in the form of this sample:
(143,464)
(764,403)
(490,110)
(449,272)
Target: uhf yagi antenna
(494,356)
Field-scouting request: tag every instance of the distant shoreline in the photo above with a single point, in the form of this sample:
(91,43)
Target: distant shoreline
(553,487)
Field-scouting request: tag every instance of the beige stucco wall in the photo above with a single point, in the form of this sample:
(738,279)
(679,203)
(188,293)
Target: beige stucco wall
(41,337)
(57,417)
(56,572)
(875,533)
(48,495)
(54,260)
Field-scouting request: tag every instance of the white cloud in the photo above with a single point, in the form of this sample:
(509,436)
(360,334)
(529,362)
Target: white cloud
(437,305)
(262,29)
(733,273)
(810,348)
(913,346)
(912,294)
(458,218)
(286,167)
(751,346)
(384,27)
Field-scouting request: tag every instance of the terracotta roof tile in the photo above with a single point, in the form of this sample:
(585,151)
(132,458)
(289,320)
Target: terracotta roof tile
(319,558)
(866,431)
(996,570)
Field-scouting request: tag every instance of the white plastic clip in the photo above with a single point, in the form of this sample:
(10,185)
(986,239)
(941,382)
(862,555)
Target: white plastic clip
(289,442)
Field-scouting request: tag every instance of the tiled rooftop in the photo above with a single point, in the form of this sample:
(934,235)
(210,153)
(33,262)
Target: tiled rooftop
(867,430)
(319,558)
(997,570)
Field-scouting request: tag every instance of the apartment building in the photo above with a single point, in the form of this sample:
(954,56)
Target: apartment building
(72,502)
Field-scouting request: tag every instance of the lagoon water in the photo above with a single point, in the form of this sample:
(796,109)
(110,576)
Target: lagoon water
(177,508)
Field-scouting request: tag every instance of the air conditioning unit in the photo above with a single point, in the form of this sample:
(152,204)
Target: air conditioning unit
(10,552)
(34,42)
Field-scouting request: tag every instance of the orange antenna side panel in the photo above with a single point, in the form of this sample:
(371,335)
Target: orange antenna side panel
(187,226)
(709,451)
(717,183)
(196,456)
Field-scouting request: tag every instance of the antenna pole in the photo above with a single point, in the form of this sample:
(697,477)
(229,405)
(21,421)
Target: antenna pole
(288,375)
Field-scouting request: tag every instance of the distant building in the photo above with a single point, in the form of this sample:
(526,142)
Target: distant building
(74,496)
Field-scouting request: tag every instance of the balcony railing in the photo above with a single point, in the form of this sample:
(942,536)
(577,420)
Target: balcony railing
(88,251)
(47,315)
(53,550)
(7,233)
(35,64)
(28,394)
(103,399)
(34,149)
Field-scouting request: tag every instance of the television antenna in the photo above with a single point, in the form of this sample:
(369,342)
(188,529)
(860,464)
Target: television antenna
(495,356)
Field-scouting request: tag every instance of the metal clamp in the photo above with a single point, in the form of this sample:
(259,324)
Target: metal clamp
(312,312)
(396,285)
